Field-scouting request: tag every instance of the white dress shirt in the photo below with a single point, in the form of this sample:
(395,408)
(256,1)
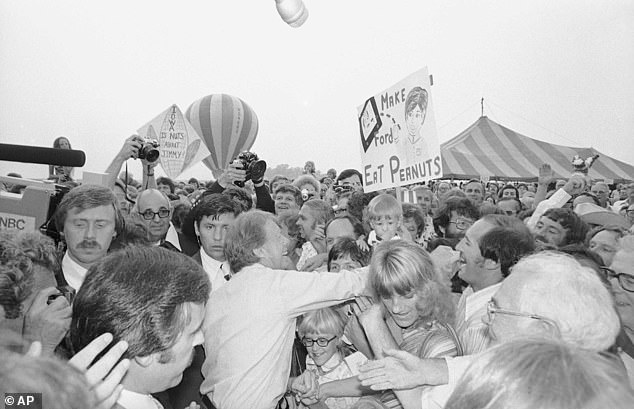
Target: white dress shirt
(216,270)
(435,397)
(472,309)
(74,274)
(249,330)
(134,400)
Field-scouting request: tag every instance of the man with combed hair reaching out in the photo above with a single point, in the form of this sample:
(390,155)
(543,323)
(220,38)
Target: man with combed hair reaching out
(250,321)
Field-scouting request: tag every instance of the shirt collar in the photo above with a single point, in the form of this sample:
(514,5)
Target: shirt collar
(74,274)
(135,400)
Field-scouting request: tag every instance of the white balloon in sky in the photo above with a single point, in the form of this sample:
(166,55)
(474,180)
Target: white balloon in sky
(293,12)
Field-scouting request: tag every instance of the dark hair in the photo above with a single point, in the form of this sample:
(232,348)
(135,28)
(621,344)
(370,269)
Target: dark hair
(179,214)
(239,195)
(88,197)
(507,187)
(417,96)
(576,228)
(345,174)
(462,207)
(347,246)
(166,181)
(506,246)
(215,205)
(288,188)
(138,294)
(358,201)
(357,226)
(193,180)
(16,276)
(413,211)
(134,233)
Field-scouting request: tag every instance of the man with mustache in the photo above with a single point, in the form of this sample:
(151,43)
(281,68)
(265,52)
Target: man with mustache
(88,219)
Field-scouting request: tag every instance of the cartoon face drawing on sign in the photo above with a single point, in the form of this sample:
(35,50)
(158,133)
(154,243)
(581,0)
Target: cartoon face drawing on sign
(415,111)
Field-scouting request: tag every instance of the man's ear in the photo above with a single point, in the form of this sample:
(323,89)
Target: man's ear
(491,264)
(259,252)
(145,361)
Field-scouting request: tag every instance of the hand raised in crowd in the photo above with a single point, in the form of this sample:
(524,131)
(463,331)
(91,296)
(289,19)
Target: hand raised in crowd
(47,323)
(398,370)
(315,262)
(575,185)
(105,375)
(130,148)
(370,313)
(362,243)
(546,174)
(446,263)
(231,174)
(319,238)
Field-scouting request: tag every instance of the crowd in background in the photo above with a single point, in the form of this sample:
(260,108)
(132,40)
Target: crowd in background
(256,292)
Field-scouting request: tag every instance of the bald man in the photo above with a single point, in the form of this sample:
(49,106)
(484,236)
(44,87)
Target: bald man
(154,211)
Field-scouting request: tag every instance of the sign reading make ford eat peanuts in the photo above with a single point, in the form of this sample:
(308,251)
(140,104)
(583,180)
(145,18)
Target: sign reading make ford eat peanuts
(399,142)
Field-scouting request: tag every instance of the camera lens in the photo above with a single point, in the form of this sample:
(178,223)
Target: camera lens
(149,153)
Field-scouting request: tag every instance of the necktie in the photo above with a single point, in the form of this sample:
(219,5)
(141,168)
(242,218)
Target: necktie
(227,276)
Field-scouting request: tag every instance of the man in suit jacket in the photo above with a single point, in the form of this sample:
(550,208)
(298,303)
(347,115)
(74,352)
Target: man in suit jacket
(152,298)
(213,217)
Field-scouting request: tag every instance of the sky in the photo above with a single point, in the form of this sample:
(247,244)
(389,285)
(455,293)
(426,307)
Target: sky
(95,72)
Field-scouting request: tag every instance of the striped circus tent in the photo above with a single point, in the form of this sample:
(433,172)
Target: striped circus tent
(488,149)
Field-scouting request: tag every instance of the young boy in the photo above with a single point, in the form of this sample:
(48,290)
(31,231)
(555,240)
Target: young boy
(386,217)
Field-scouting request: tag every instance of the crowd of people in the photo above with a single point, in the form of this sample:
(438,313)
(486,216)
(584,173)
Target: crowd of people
(313,293)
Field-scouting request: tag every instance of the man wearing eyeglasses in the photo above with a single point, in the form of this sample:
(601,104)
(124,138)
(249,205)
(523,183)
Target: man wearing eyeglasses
(154,211)
(577,311)
(453,219)
(621,276)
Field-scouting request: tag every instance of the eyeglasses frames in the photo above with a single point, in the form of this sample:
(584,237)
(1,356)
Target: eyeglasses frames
(149,214)
(626,281)
(493,309)
(322,342)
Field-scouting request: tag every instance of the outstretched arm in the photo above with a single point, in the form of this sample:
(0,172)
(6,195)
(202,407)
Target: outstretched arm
(381,340)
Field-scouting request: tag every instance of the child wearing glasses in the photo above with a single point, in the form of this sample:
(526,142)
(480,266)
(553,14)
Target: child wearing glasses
(336,371)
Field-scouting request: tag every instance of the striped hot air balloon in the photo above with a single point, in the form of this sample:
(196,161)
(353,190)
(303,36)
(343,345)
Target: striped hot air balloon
(226,124)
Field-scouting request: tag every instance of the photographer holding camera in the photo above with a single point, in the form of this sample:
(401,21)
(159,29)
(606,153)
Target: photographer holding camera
(246,166)
(136,147)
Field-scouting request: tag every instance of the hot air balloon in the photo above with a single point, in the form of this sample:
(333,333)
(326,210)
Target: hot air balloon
(226,124)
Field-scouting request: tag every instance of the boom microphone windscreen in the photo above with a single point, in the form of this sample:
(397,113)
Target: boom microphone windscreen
(44,156)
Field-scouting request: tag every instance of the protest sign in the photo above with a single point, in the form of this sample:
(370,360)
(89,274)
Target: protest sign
(399,142)
(180,145)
